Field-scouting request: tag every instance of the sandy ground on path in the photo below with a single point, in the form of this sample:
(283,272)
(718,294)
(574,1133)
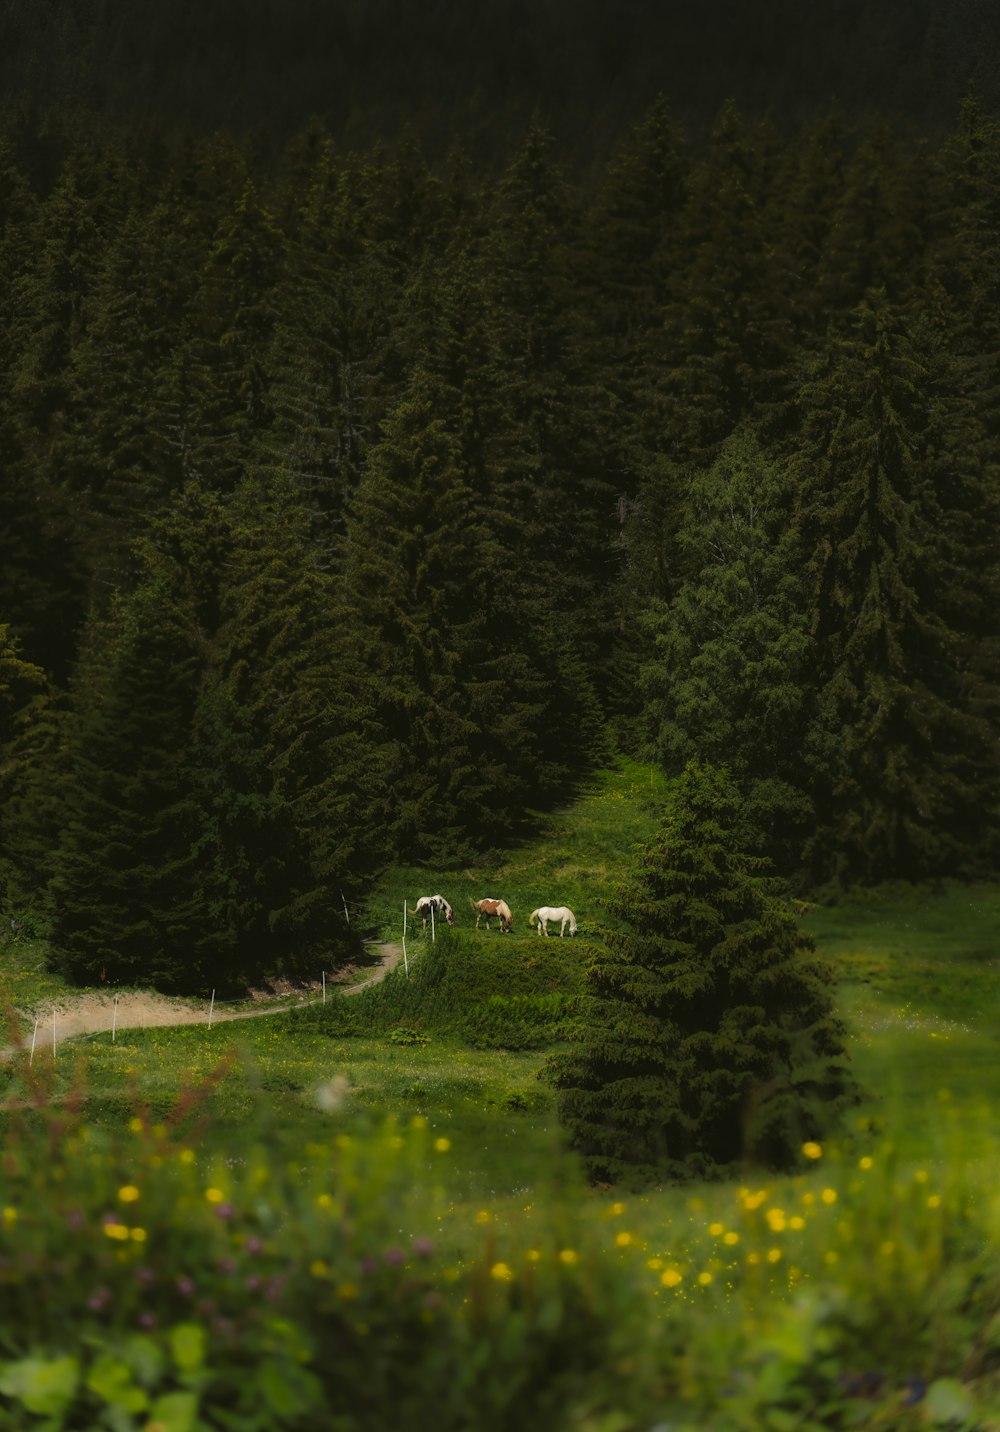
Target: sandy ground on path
(91,1012)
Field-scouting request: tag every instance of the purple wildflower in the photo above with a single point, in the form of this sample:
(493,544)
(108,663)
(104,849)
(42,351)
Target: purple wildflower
(395,1256)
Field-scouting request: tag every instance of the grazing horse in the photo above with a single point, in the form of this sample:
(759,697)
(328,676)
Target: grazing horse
(499,908)
(438,904)
(558,912)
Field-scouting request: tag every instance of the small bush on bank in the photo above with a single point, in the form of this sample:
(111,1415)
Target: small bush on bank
(498,997)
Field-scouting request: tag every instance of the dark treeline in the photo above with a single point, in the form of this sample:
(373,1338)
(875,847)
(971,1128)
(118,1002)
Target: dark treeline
(352,508)
(481,69)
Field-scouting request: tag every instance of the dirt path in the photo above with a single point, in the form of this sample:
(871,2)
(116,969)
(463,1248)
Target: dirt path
(91,1012)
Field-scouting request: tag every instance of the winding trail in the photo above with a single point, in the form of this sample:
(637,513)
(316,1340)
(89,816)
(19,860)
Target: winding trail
(91,1012)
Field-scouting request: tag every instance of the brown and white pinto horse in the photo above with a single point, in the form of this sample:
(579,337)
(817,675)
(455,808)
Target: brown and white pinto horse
(438,904)
(499,908)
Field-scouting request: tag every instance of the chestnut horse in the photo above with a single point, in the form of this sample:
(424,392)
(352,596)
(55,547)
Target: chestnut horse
(499,908)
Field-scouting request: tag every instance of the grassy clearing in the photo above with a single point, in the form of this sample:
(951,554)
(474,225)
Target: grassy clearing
(921,994)
(577,854)
(25,983)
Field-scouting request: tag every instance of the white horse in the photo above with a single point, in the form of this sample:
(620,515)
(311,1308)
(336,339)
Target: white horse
(561,913)
(438,904)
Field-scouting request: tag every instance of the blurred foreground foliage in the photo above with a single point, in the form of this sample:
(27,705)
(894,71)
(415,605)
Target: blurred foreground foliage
(151,1284)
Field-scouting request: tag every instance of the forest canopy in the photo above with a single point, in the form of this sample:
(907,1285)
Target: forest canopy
(359,497)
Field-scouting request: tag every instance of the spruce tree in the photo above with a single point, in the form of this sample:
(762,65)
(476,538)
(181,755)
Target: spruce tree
(903,751)
(711,1039)
(449,725)
(727,336)
(729,678)
(125,889)
(287,792)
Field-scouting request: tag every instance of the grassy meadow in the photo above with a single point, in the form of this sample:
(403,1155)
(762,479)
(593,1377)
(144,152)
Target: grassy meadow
(373,1191)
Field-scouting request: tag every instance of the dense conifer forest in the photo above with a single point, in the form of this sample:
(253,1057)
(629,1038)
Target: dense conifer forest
(364,485)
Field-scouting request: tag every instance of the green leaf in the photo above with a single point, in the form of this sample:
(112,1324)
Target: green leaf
(45,1387)
(947,1402)
(288,1390)
(111,1380)
(145,1359)
(174,1412)
(187,1343)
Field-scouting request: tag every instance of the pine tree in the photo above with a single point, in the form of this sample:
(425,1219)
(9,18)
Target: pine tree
(28,723)
(125,883)
(452,720)
(335,310)
(727,338)
(630,237)
(287,794)
(903,750)
(711,1038)
(730,677)
(556,486)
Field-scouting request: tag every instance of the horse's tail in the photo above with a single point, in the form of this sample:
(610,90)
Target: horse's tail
(473,903)
(531,917)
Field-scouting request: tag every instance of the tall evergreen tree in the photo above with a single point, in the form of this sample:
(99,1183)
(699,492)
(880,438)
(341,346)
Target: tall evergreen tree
(287,836)
(903,750)
(124,887)
(727,332)
(453,720)
(711,1038)
(730,677)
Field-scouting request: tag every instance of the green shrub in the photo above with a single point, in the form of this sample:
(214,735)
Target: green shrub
(493,995)
(519,1021)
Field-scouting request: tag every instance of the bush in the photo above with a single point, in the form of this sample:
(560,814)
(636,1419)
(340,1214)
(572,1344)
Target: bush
(491,998)
(520,1021)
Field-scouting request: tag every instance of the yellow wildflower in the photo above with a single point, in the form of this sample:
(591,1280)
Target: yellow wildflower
(128,1193)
